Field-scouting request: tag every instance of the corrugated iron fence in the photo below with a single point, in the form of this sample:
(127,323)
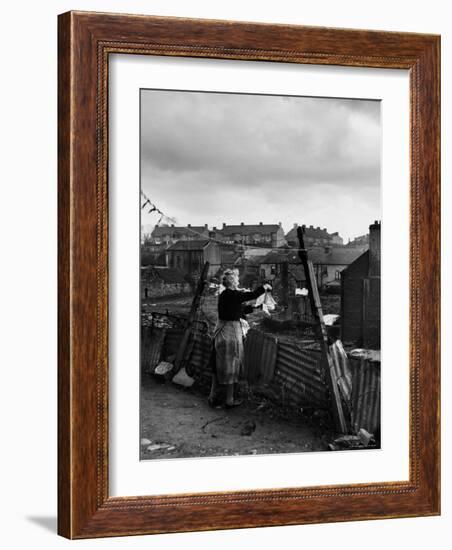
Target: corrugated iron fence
(290,373)
(159,343)
(298,377)
(366,395)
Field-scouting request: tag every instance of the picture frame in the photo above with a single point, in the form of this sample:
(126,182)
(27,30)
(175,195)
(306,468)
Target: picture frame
(86,40)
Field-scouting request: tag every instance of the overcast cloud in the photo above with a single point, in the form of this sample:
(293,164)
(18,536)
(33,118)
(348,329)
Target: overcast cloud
(214,158)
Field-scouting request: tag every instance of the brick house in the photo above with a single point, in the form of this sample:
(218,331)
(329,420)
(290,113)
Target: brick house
(328,264)
(361,243)
(314,236)
(360,295)
(169,234)
(330,261)
(260,234)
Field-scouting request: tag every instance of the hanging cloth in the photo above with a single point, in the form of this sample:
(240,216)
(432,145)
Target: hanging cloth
(267,302)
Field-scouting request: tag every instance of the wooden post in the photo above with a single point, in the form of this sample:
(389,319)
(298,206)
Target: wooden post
(285,285)
(178,362)
(316,307)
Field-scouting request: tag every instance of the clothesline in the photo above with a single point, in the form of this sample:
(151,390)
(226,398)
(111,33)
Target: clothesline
(163,216)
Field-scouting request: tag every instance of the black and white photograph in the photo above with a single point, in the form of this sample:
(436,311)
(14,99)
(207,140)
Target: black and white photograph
(259,274)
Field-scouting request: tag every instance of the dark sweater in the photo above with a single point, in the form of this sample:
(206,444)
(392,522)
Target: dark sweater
(230,302)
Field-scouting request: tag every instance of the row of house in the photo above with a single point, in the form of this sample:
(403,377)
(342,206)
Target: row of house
(189,257)
(314,236)
(328,264)
(260,235)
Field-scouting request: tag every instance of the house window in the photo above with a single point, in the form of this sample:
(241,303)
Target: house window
(146,292)
(337,275)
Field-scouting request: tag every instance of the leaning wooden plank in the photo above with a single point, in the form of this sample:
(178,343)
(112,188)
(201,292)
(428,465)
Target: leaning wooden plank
(316,307)
(181,352)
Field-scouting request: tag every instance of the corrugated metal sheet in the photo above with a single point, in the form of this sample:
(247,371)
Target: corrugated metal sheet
(260,357)
(198,362)
(366,395)
(172,341)
(298,373)
(199,346)
(152,340)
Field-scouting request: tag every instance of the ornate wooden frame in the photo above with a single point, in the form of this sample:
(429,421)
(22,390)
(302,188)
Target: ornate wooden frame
(85,42)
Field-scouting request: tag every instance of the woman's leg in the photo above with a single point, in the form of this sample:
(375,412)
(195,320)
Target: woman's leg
(213,388)
(230,394)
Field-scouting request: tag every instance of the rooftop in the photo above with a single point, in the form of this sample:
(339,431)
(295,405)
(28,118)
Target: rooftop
(249,229)
(310,232)
(332,256)
(178,231)
(190,245)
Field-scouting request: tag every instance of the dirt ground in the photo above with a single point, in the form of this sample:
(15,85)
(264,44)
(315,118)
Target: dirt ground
(177,423)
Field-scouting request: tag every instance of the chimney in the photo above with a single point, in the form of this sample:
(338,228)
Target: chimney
(214,228)
(295,225)
(242,224)
(280,224)
(205,225)
(260,223)
(324,229)
(374,249)
(311,227)
(156,225)
(189,225)
(224,225)
(172,225)
(318,228)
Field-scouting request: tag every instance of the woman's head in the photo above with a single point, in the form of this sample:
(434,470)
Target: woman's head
(231,278)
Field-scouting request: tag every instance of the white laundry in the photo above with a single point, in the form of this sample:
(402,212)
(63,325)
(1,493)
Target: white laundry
(266,300)
(330,318)
(163,368)
(245,327)
(301,292)
(265,310)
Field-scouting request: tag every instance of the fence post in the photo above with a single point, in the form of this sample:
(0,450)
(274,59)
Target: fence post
(180,357)
(316,307)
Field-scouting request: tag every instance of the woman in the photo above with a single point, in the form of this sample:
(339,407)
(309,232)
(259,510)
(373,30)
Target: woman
(228,337)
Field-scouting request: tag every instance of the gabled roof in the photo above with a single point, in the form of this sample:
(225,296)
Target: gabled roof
(249,229)
(359,268)
(189,245)
(335,256)
(180,231)
(310,232)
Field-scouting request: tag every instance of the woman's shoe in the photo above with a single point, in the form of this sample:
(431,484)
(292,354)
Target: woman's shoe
(213,403)
(236,403)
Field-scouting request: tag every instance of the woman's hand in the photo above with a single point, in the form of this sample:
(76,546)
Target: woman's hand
(267,287)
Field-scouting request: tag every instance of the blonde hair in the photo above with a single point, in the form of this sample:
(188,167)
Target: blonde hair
(230,278)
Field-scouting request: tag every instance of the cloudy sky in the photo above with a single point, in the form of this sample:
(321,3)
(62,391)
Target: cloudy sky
(214,158)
